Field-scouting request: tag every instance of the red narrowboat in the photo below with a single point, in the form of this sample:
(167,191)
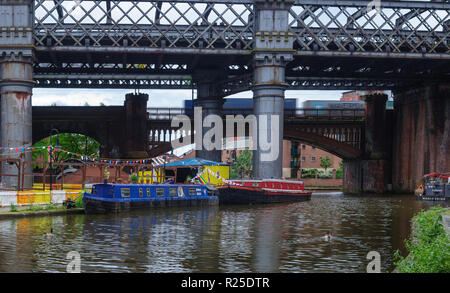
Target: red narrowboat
(262,191)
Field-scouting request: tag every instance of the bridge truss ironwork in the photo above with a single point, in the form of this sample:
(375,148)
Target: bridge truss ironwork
(338,44)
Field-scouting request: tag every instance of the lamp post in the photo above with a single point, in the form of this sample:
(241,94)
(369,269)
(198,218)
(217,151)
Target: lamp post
(51,154)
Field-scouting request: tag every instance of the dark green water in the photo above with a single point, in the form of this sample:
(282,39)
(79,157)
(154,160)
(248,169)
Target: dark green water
(268,238)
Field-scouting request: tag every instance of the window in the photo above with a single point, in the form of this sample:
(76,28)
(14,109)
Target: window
(148,192)
(303,159)
(313,147)
(303,147)
(125,192)
(160,192)
(141,193)
(313,159)
(192,191)
(111,192)
(173,192)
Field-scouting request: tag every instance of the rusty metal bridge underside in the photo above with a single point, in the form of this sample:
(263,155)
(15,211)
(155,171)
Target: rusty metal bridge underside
(337,44)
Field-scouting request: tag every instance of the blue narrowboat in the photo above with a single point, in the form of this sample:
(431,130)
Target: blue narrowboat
(437,187)
(124,197)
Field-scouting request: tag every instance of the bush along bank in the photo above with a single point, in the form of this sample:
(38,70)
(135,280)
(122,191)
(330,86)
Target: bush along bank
(428,245)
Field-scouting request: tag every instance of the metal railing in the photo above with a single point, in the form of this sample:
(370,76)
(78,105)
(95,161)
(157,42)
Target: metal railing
(69,175)
(289,114)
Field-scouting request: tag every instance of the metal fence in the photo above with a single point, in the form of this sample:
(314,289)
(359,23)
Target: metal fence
(69,175)
(297,113)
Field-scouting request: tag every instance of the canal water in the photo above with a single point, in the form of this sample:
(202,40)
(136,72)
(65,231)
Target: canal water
(263,238)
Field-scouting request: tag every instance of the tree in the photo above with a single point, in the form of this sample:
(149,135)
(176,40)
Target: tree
(339,171)
(71,142)
(325,162)
(243,164)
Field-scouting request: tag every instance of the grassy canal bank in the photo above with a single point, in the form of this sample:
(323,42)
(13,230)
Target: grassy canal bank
(42,210)
(428,245)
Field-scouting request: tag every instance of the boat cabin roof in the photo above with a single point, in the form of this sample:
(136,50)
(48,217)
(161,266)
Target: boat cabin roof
(437,175)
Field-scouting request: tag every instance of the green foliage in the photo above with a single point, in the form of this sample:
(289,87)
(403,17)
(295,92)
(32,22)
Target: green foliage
(13,208)
(79,201)
(134,178)
(36,208)
(325,162)
(72,142)
(428,245)
(51,207)
(242,167)
(339,172)
(309,173)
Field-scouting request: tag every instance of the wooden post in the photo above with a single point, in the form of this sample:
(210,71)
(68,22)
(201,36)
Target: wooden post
(20,175)
(44,174)
(84,176)
(62,177)
(101,173)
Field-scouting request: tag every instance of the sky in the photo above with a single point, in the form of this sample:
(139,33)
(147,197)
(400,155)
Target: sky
(157,98)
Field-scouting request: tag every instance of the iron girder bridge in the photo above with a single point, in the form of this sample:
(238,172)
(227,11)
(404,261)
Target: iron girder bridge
(337,44)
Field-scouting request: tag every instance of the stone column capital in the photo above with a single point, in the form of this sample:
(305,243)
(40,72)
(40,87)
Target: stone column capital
(274,4)
(138,97)
(16,2)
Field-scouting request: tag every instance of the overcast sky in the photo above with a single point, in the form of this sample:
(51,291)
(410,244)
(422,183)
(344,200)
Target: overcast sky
(157,98)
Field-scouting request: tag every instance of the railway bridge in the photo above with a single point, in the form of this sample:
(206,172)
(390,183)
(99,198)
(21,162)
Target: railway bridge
(222,47)
(121,135)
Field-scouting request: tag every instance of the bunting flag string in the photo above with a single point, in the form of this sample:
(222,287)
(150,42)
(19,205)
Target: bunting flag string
(22,148)
(107,160)
(15,150)
(198,176)
(7,151)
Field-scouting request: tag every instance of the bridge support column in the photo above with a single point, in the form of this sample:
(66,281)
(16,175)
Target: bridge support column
(209,97)
(421,134)
(136,126)
(16,85)
(273,50)
(372,173)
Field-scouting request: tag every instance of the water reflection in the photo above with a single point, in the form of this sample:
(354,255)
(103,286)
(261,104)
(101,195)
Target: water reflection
(270,238)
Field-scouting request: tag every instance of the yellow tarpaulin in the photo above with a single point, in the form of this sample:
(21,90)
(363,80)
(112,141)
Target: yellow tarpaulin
(28,197)
(214,175)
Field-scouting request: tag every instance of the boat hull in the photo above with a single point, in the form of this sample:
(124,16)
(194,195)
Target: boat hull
(107,198)
(433,198)
(247,195)
(96,206)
